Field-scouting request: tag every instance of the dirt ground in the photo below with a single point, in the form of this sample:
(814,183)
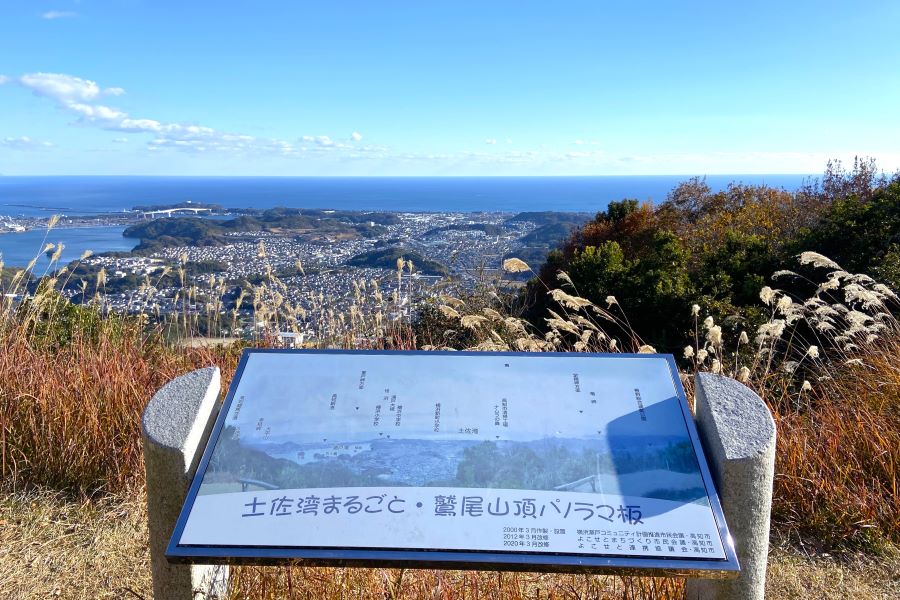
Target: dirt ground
(52,547)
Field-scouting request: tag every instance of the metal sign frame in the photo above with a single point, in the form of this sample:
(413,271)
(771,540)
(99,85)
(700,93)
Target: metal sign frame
(710,568)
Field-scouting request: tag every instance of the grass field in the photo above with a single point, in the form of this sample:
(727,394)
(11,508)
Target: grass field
(53,547)
(74,380)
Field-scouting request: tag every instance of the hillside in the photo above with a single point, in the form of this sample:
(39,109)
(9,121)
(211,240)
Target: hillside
(486,228)
(387,259)
(549,217)
(718,249)
(312,224)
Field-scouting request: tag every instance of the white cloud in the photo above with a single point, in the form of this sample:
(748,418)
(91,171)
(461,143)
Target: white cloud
(490,141)
(51,15)
(85,99)
(65,88)
(324,143)
(321,140)
(97,112)
(24,143)
(368,151)
(218,142)
(82,97)
(120,140)
(3,79)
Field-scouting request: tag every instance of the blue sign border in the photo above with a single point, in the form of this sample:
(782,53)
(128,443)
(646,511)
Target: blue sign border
(458,559)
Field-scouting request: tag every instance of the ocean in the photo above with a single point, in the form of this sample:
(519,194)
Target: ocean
(36,196)
(83,196)
(17,249)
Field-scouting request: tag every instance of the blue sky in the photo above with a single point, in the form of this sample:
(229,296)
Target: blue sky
(445,88)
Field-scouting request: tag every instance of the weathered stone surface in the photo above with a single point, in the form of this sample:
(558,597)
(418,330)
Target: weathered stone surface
(175,426)
(738,435)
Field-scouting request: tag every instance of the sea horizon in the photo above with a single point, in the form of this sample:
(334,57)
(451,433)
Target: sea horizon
(41,195)
(353,176)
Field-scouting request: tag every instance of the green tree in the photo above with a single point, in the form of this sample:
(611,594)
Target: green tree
(859,231)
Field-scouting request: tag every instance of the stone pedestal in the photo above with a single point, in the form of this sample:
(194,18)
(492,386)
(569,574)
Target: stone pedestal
(175,427)
(735,427)
(738,435)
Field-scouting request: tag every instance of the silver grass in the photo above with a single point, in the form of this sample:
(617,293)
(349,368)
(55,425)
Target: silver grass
(492,314)
(573,302)
(515,265)
(784,273)
(472,321)
(831,284)
(784,303)
(856,293)
(562,324)
(818,260)
(564,277)
(884,290)
(450,300)
(827,311)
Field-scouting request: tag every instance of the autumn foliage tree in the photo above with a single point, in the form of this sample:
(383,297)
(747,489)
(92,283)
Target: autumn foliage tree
(717,249)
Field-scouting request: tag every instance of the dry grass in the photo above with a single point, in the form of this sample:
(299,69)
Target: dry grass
(70,409)
(837,468)
(74,380)
(795,577)
(302,583)
(53,547)
(208,342)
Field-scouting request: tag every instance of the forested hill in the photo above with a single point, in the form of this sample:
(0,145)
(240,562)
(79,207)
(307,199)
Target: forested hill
(196,231)
(386,258)
(718,249)
(553,229)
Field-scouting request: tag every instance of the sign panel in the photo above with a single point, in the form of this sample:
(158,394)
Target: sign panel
(453,459)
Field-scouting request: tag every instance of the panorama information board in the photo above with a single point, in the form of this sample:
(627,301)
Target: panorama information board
(538,461)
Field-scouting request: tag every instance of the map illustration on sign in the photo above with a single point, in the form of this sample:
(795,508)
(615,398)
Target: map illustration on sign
(477,452)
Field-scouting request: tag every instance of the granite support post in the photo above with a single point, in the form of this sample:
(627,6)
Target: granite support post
(738,436)
(175,427)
